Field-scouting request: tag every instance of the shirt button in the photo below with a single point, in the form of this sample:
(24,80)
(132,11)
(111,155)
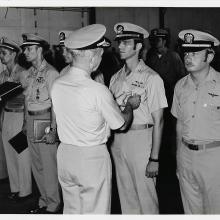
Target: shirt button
(193,116)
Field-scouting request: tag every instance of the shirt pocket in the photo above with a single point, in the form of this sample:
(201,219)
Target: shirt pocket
(140,91)
(211,107)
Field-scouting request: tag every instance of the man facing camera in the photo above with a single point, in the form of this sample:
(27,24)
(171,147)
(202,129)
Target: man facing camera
(136,151)
(38,110)
(196,105)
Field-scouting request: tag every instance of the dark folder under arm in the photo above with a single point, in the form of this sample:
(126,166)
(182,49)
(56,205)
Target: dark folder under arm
(19,142)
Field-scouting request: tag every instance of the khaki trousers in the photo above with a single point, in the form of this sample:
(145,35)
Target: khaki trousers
(44,167)
(131,151)
(85,177)
(3,166)
(199,178)
(18,165)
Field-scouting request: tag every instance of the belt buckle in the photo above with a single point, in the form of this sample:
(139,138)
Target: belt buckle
(193,146)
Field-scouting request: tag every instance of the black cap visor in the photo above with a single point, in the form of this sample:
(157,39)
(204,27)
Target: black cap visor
(193,49)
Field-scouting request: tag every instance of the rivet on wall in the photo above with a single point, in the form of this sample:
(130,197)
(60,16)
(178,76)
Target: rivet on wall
(82,16)
(35,21)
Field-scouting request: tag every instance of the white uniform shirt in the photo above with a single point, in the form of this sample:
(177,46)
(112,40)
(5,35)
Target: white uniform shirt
(85,110)
(98,77)
(198,108)
(145,82)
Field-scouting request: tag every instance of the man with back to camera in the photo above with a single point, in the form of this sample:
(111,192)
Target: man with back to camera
(96,75)
(196,105)
(39,108)
(136,151)
(85,111)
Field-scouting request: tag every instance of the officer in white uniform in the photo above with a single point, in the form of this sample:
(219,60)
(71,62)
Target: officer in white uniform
(97,75)
(196,105)
(18,164)
(39,107)
(136,152)
(85,111)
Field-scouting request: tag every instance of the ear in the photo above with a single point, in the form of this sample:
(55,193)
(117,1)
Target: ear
(210,57)
(14,54)
(40,49)
(139,46)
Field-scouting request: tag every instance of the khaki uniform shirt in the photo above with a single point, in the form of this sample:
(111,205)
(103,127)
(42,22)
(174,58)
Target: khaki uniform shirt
(145,82)
(40,82)
(198,108)
(17,75)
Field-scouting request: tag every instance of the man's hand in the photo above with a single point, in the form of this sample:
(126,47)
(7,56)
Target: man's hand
(134,101)
(152,169)
(50,138)
(24,127)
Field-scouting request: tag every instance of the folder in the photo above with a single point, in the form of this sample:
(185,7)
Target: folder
(19,142)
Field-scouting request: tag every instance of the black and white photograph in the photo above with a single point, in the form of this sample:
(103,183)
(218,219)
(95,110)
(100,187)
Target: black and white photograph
(109,108)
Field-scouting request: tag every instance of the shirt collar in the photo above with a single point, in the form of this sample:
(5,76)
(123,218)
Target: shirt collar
(77,73)
(42,66)
(139,68)
(211,77)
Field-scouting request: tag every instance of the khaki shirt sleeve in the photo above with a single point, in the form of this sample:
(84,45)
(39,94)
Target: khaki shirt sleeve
(156,94)
(175,110)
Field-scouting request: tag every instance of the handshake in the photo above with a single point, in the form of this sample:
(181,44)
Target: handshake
(134,101)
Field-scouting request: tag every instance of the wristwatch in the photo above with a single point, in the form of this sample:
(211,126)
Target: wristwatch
(48,129)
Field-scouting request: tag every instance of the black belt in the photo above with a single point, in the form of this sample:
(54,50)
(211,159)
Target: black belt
(140,126)
(201,146)
(40,112)
(14,110)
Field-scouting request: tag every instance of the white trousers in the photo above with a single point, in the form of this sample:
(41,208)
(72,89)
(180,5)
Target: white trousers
(131,151)
(199,178)
(18,165)
(85,177)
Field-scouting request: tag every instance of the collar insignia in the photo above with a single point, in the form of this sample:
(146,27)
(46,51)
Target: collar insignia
(212,94)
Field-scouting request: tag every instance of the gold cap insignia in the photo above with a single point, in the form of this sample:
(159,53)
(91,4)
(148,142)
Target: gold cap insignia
(120,29)
(62,36)
(188,38)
